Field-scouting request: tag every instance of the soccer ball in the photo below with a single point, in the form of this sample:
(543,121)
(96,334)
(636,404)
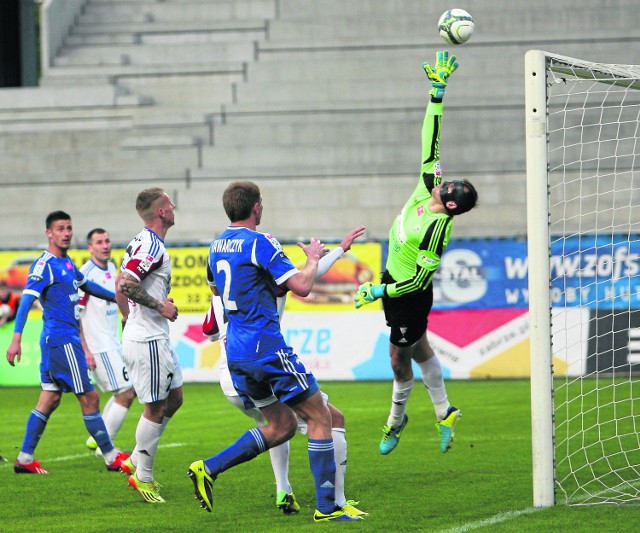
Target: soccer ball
(456,26)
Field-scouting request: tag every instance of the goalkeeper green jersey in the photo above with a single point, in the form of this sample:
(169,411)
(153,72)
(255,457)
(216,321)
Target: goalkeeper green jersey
(418,237)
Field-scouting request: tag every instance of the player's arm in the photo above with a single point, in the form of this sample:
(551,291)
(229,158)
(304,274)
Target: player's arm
(123,303)
(329,259)
(432,124)
(427,261)
(91,361)
(15,349)
(130,287)
(97,290)
(302,281)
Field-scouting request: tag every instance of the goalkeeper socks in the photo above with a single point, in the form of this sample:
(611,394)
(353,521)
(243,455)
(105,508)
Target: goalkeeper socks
(36,423)
(280,464)
(323,468)
(251,444)
(399,399)
(96,428)
(434,381)
(340,456)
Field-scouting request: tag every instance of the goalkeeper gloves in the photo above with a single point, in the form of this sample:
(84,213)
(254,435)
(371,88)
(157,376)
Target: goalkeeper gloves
(367,293)
(438,75)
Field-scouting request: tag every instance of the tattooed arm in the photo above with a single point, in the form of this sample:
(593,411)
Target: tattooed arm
(130,287)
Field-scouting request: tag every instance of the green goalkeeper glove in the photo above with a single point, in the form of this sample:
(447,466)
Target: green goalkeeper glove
(367,293)
(438,76)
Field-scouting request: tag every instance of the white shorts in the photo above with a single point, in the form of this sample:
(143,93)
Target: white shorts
(111,374)
(154,368)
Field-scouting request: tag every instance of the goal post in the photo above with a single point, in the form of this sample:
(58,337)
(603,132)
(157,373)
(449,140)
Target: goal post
(583,224)
(539,276)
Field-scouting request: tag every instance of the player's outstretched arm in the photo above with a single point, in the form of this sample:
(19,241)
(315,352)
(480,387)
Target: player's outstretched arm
(329,259)
(302,282)
(439,75)
(348,239)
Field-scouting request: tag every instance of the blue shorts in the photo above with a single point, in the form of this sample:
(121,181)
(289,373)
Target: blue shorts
(280,374)
(64,368)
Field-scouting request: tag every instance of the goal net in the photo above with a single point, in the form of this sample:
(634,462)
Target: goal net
(583,222)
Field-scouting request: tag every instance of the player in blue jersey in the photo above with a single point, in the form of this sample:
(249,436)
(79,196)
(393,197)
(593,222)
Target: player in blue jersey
(247,267)
(215,323)
(417,239)
(54,280)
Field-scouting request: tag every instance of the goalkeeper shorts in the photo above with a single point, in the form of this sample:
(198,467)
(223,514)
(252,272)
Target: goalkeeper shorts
(407,315)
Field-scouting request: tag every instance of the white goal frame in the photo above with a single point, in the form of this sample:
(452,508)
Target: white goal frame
(542,69)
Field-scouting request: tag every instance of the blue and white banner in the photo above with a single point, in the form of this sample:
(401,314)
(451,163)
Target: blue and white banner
(586,271)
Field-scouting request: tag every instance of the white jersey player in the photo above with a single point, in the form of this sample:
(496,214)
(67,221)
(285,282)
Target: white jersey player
(285,499)
(143,288)
(99,333)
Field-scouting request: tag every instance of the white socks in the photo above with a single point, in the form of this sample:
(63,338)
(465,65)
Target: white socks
(280,464)
(340,455)
(433,380)
(147,437)
(113,417)
(399,399)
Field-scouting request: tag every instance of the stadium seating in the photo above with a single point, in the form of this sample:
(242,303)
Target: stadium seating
(320,101)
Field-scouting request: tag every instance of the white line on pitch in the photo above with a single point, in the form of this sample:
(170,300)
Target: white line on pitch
(81,455)
(496,519)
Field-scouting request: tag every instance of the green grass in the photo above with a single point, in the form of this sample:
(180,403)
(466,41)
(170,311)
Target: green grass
(482,484)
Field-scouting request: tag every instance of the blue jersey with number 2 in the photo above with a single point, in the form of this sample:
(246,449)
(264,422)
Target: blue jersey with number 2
(247,267)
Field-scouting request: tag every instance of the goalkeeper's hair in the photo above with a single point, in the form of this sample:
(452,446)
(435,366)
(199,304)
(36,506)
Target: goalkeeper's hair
(54,217)
(239,198)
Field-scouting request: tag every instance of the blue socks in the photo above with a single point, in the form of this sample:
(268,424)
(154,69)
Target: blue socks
(36,423)
(251,444)
(323,468)
(96,428)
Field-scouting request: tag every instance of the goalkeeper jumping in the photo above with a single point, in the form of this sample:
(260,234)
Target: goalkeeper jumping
(417,239)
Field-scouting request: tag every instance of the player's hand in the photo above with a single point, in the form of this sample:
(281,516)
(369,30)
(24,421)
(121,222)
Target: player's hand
(439,75)
(314,250)
(367,293)
(169,310)
(14,351)
(91,360)
(351,236)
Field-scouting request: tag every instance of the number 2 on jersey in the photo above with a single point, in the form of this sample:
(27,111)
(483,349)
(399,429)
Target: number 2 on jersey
(223,266)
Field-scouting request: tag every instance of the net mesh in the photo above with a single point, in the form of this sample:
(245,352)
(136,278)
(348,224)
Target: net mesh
(594,221)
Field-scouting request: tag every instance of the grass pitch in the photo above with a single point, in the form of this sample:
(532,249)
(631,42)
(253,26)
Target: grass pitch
(482,484)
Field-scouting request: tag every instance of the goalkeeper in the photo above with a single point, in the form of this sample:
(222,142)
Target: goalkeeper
(417,239)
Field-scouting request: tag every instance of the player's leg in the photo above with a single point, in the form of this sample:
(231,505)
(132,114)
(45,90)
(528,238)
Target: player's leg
(48,401)
(407,318)
(157,379)
(316,414)
(90,405)
(338,432)
(111,375)
(281,424)
(68,369)
(447,415)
